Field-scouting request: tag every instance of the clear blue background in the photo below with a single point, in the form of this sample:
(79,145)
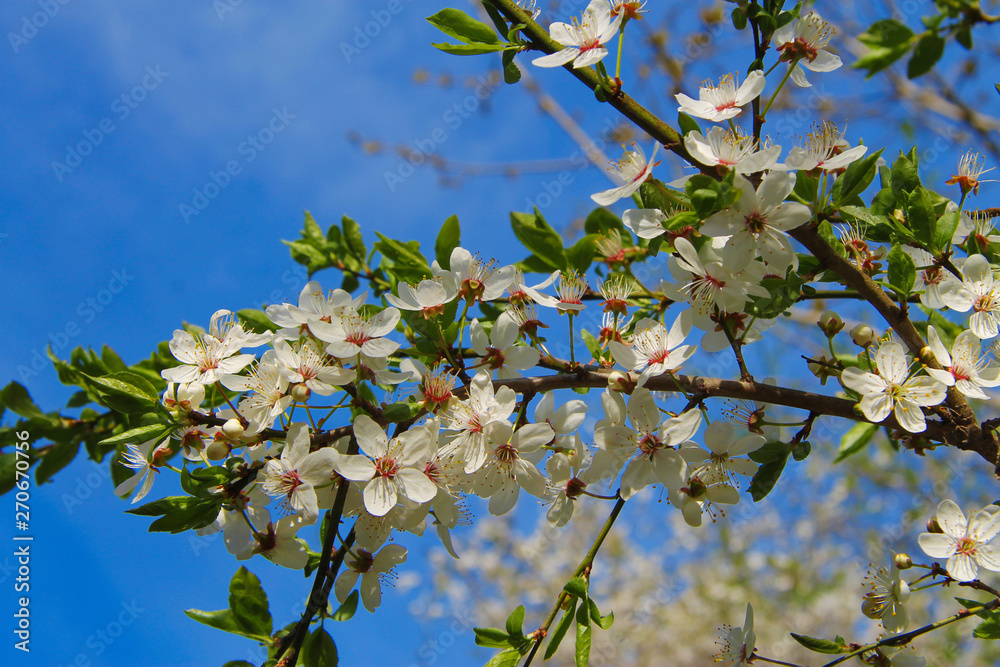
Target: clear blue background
(103,591)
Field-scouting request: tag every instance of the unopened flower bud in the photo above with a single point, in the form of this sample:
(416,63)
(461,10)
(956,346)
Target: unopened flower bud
(823,368)
(218,450)
(902,561)
(618,381)
(232,429)
(831,323)
(301,393)
(933,526)
(862,335)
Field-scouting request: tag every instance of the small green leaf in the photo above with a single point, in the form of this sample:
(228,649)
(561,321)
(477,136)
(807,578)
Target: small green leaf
(857,178)
(511,73)
(127,383)
(515,621)
(57,458)
(603,622)
(920,215)
(248,603)
(492,637)
(902,270)
(319,650)
(801,450)
(926,53)
(855,440)
(15,398)
(739,18)
(224,620)
(447,240)
(256,321)
(577,586)
(540,238)
(945,228)
(905,178)
(456,23)
(687,124)
(820,645)
(312,232)
(140,435)
(469,49)
(508,658)
(561,629)
(583,636)
(353,238)
(765,479)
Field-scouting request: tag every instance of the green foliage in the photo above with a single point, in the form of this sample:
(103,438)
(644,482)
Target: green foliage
(248,614)
(179,513)
(827,646)
(538,236)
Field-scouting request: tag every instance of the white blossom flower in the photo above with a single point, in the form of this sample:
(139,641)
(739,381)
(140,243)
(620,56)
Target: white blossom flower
(738,644)
(475,279)
(208,357)
(652,349)
(979,292)
(511,464)
(295,475)
(354,334)
(737,323)
(734,150)
(146,461)
(269,397)
(705,282)
(571,288)
(313,307)
(719,463)
(277,542)
(697,497)
(634,169)
(428,297)
(758,223)
(566,482)
(803,43)
(932,281)
(499,351)
(887,598)
(306,363)
(964,542)
(826,149)
(724,101)
(520,293)
(395,468)
(891,391)
(964,368)
(373,570)
(583,42)
(471,416)
(646,223)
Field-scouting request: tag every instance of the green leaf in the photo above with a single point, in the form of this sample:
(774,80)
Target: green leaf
(469,49)
(583,636)
(239,663)
(511,73)
(820,645)
(347,610)
(855,440)
(687,125)
(15,398)
(225,621)
(887,41)
(248,603)
(601,221)
(577,586)
(857,178)
(927,52)
(905,178)
(57,458)
(319,650)
(312,232)
(920,215)
(140,435)
(964,36)
(508,658)
(902,270)
(581,254)
(988,629)
(945,228)
(492,637)
(540,238)
(739,19)
(765,478)
(447,240)
(127,383)
(603,622)
(801,450)
(456,23)
(560,631)
(179,513)
(354,240)
(515,621)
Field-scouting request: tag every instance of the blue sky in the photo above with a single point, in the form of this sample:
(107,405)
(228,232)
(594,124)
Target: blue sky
(115,116)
